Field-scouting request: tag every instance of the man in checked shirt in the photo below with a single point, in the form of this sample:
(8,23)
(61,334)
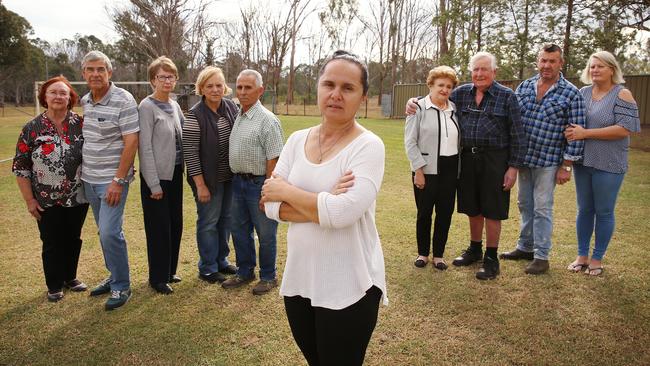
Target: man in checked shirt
(494,145)
(549,103)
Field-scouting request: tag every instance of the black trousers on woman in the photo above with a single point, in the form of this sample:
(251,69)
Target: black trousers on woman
(439,192)
(333,337)
(60,229)
(163,225)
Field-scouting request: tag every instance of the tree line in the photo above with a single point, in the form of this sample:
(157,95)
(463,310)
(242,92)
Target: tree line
(400,39)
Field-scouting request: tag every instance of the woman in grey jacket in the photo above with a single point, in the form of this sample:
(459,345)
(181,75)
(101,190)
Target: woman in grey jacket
(432,142)
(161,171)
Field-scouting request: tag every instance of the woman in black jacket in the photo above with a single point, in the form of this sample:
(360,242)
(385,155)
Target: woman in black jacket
(205,149)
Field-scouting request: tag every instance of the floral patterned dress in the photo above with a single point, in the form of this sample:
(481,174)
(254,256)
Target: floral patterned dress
(52,161)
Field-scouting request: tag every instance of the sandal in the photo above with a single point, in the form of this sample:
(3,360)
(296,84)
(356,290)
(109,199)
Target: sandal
(577,267)
(596,271)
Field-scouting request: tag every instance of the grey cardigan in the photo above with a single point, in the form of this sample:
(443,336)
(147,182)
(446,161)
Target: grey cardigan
(422,137)
(157,149)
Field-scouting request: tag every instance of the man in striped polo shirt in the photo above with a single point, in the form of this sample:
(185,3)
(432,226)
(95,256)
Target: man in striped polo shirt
(255,145)
(110,142)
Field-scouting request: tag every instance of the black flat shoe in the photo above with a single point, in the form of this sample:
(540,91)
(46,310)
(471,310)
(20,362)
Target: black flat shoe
(420,263)
(162,288)
(441,266)
(175,279)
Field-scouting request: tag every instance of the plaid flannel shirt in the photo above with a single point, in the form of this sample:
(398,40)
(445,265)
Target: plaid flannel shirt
(546,119)
(495,123)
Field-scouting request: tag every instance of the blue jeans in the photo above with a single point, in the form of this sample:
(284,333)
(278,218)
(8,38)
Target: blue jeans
(109,221)
(213,229)
(535,200)
(246,215)
(596,192)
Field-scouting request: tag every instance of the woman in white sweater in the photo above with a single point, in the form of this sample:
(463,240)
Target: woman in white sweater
(325,184)
(161,171)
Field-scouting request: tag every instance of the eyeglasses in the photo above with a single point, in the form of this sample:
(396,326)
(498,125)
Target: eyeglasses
(163,78)
(92,70)
(61,94)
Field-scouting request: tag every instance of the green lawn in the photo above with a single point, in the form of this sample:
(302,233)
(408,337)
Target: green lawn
(433,317)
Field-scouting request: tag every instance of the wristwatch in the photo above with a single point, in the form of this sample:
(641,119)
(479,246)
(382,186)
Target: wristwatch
(120,181)
(567,168)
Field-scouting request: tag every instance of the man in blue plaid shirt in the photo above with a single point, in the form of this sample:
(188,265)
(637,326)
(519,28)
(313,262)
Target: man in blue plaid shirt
(549,103)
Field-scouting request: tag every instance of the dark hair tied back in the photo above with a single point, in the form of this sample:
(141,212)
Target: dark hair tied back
(350,57)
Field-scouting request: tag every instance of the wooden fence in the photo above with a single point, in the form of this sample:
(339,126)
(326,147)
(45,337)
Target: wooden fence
(639,85)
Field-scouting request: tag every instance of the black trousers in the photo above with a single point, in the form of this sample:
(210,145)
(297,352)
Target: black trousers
(333,337)
(163,225)
(60,229)
(439,192)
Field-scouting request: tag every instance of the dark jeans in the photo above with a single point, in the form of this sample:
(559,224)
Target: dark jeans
(60,229)
(439,192)
(333,337)
(163,225)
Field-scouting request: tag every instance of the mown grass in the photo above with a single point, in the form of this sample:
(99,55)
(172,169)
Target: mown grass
(433,317)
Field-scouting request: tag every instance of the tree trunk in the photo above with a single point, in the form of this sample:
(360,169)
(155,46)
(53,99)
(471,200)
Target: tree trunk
(524,41)
(567,37)
(444,22)
(293,55)
(479,28)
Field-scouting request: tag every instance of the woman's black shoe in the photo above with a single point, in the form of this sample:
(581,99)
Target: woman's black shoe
(162,288)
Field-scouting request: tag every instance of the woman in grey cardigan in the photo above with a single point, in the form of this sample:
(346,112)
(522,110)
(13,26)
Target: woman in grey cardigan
(161,171)
(432,142)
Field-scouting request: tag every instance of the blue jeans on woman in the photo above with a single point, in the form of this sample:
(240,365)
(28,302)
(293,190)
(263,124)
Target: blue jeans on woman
(596,192)
(213,229)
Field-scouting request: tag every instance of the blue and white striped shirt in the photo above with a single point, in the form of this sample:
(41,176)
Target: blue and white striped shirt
(105,122)
(546,119)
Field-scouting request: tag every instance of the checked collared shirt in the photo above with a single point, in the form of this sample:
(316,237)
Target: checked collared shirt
(494,124)
(546,119)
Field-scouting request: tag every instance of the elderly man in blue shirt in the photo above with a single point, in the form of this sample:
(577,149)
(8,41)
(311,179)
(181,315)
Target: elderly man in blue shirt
(549,103)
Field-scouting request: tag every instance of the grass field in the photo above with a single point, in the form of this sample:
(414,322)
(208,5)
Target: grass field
(433,318)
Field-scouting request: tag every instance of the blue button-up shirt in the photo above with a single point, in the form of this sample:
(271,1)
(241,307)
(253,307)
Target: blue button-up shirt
(495,123)
(546,119)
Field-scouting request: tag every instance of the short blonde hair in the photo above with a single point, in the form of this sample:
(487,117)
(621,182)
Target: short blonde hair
(608,59)
(440,72)
(207,73)
(162,62)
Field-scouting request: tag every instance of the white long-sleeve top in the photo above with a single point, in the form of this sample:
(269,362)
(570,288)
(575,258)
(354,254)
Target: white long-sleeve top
(333,264)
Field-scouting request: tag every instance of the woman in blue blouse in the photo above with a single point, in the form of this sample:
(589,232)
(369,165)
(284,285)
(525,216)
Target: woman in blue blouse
(47,166)
(612,114)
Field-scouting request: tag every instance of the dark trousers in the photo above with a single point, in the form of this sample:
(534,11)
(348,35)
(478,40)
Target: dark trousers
(163,225)
(333,337)
(60,229)
(439,192)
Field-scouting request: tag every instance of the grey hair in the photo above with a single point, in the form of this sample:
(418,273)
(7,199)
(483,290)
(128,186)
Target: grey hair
(254,73)
(608,59)
(96,56)
(480,55)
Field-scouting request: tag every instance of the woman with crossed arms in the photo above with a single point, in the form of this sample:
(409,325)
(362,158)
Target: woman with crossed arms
(334,276)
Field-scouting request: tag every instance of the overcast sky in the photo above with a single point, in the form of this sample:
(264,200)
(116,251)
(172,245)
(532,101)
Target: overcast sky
(54,20)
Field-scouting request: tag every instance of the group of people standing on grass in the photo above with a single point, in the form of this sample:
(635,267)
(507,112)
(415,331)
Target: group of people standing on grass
(477,139)
(324,182)
(65,162)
